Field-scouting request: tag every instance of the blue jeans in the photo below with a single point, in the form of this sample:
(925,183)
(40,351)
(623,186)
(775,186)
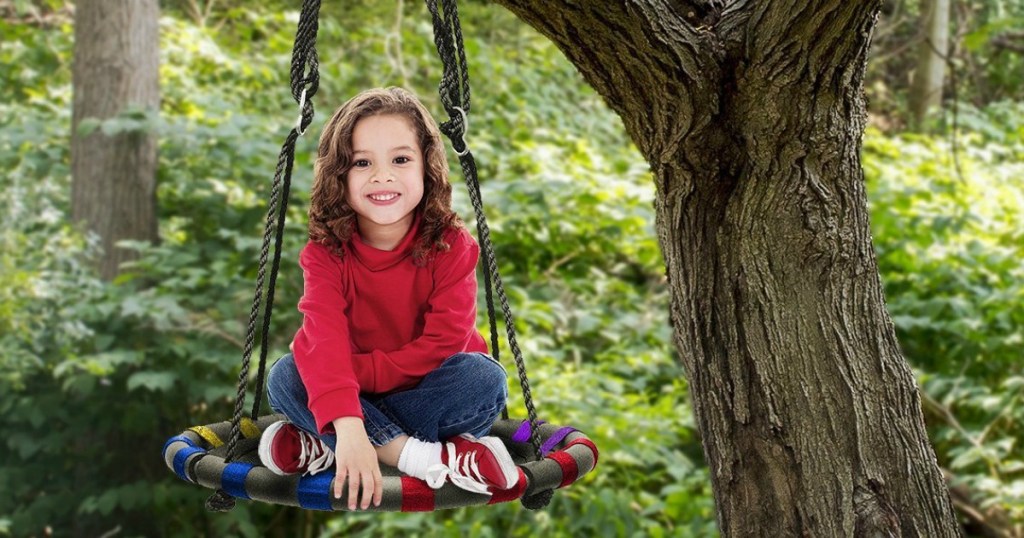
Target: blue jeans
(463,395)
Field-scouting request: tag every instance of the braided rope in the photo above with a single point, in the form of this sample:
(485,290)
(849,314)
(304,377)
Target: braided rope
(443,41)
(304,86)
(454,92)
(483,230)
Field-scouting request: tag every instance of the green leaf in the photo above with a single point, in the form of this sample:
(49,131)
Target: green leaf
(153,381)
(88,126)
(107,502)
(114,126)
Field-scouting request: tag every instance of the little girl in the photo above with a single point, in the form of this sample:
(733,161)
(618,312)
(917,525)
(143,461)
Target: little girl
(388,366)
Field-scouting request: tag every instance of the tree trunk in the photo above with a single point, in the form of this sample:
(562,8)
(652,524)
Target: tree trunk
(751,116)
(930,76)
(116,61)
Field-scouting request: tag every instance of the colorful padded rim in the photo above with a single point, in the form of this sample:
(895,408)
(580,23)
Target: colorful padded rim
(197,456)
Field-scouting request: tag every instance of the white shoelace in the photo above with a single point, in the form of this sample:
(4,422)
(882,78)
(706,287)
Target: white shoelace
(462,469)
(315,453)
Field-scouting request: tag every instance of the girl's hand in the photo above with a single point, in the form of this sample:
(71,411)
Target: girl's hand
(356,461)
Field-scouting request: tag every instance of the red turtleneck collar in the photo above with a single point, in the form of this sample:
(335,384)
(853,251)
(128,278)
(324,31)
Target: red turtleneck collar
(376,259)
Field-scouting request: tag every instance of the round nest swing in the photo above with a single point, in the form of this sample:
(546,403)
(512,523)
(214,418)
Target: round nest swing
(197,455)
(223,456)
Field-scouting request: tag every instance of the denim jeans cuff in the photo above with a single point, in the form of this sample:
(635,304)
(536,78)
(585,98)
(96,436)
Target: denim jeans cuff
(380,436)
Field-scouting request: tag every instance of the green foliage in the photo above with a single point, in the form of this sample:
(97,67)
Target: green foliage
(984,62)
(95,376)
(990,70)
(950,246)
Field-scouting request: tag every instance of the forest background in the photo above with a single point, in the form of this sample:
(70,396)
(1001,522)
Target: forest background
(95,375)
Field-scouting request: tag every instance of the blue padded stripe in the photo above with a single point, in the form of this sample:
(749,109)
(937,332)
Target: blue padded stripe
(314,491)
(181,456)
(233,479)
(177,439)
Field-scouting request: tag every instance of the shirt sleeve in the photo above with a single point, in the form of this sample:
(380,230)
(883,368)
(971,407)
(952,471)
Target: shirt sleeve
(449,323)
(322,346)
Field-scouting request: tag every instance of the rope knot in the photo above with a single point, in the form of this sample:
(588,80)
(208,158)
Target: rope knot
(455,129)
(538,501)
(220,502)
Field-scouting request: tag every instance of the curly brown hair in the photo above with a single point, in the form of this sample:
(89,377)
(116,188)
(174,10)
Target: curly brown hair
(332,220)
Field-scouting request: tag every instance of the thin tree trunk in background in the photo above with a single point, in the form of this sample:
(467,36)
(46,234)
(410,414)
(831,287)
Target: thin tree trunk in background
(930,75)
(116,62)
(751,116)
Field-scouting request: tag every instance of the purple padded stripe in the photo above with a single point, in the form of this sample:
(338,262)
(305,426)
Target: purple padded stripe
(522,435)
(555,438)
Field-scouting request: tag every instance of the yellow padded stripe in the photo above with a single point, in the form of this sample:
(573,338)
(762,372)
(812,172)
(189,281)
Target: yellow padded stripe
(208,436)
(249,428)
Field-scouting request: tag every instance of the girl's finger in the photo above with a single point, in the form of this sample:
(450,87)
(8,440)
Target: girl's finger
(378,488)
(339,479)
(353,490)
(369,488)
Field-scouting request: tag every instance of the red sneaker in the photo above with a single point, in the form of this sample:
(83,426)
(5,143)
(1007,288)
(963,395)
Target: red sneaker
(285,449)
(475,465)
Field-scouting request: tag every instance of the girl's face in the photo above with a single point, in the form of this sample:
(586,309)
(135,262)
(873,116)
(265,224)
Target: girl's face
(385,182)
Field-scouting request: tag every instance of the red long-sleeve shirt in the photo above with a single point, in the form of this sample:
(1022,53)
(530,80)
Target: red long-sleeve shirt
(374,322)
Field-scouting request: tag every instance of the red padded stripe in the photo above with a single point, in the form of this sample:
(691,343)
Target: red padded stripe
(587,443)
(569,469)
(511,494)
(417,496)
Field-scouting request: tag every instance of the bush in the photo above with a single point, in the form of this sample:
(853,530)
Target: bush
(950,245)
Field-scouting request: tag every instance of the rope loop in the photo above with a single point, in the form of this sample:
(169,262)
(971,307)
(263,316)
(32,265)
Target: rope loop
(459,130)
(537,501)
(220,501)
(305,72)
(301,129)
(304,55)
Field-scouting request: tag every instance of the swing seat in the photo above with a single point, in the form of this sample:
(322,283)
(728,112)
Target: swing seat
(197,456)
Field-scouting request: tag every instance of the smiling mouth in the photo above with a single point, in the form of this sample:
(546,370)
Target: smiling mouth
(384,196)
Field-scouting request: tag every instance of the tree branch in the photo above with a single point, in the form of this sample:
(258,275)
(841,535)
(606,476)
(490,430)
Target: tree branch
(774,34)
(581,30)
(1012,41)
(990,522)
(625,48)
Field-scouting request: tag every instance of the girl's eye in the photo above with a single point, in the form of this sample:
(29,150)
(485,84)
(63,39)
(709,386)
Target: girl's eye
(361,163)
(402,160)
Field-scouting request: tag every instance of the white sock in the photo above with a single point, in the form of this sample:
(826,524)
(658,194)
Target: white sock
(418,456)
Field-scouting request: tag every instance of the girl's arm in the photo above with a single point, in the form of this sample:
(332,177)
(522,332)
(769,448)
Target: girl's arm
(323,356)
(322,347)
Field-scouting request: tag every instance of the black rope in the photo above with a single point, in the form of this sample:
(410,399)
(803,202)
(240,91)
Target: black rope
(305,81)
(454,92)
(304,86)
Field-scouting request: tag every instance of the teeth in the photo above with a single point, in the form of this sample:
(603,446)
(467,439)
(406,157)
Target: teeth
(383,197)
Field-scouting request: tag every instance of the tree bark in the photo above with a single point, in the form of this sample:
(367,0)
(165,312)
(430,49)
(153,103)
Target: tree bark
(116,62)
(930,76)
(751,115)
